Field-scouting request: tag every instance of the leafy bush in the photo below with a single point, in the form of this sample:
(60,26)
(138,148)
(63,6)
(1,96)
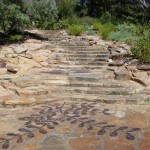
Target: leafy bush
(75,30)
(16,37)
(108,17)
(65,23)
(104,29)
(12,19)
(141,47)
(89,30)
(98,25)
(87,20)
(42,13)
(125,33)
(61,24)
(74,21)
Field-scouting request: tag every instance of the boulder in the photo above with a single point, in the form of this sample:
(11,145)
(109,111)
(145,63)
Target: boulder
(13,68)
(122,74)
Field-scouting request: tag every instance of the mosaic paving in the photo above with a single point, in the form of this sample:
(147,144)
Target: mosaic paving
(88,118)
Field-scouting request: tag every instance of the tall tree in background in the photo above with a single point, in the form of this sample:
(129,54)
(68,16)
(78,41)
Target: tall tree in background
(132,10)
(66,8)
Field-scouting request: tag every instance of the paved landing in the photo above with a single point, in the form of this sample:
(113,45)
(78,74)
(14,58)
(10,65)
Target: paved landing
(76,126)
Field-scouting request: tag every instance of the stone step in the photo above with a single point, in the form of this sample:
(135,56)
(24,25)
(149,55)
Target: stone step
(80,56)
(85,49)
(93,91)
(83,52)
(109,99)
(76,46)
(82,62)
(86,59)
(68,66)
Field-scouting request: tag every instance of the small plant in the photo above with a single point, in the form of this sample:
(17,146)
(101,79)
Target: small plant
(141,50)
(125,33)
(76,30)
(141,47)
(89,30)
(16,37)
(104,29)
(97,25)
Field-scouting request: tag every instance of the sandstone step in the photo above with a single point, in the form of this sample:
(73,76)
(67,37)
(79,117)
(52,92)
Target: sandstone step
(67,66)
(82,84)
(75,46)
(91,91)
(109,99)
(83,52)
(80,56)
(86,58)
(99,63)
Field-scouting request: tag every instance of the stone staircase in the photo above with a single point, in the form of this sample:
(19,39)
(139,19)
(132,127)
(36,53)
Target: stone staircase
(77,70)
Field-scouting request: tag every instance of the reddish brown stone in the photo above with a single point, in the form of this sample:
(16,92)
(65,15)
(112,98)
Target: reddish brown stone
(147,134)
(85,144)
(9,86)
(5,96)
(119,144)
(23,92)
(145,145)
(136,119)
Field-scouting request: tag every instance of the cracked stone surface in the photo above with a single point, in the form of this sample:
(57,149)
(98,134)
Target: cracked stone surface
(73,93)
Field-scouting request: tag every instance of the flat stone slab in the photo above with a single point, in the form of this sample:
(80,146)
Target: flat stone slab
(19,49)
(75,126)
(144,67)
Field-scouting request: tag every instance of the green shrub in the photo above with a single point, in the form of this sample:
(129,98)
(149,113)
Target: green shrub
(74,21)
(125,33)
(89,30)
(141,47)
(65,23)
(11,17)
(61,24)
(43,13)
(108,17)
(16,37)
(104,29)
(75,30)
(87,20)
(97,25)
